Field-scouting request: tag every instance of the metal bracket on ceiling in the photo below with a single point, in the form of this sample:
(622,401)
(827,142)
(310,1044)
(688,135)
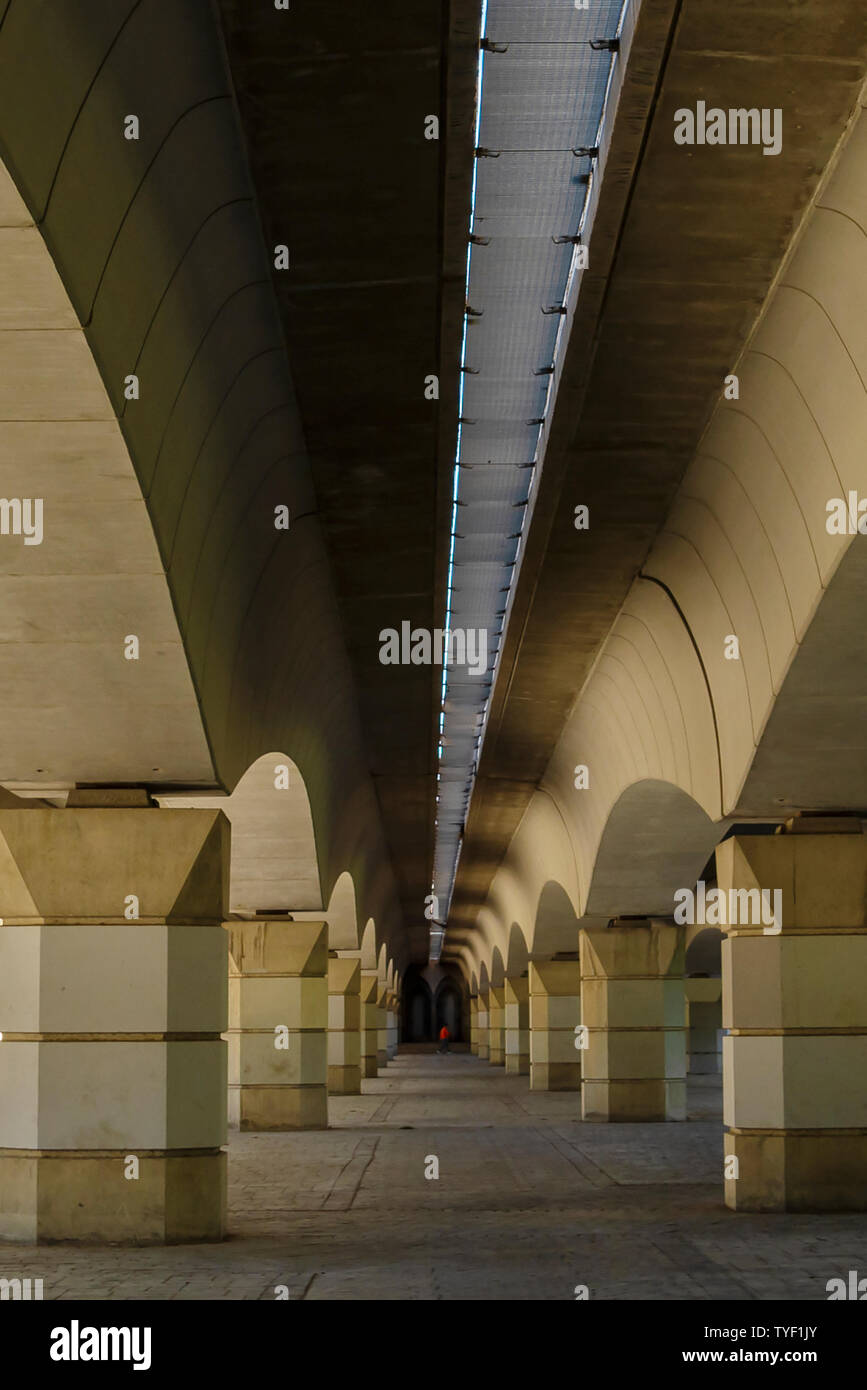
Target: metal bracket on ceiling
(472,313)
(483,153)
(567,240)
(479,240)
(539,420)
(605,45)
(586,151)
(488,46)
(555,309)
(470,371)
(544,371)
(465,420)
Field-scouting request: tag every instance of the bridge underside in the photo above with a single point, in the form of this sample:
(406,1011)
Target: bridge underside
(348,937)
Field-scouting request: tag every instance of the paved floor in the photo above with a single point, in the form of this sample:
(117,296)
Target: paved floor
(528,1204)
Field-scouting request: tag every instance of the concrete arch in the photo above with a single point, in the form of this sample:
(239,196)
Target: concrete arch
(704,953)
(555,926)
(656,839)
(342,915)
(368,946)
(517,956)
(146,257)
(677,740)
(274,863)
(497,969)
(746,548)
(92,574)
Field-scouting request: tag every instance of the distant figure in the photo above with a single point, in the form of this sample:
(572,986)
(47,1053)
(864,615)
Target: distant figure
(444,1039)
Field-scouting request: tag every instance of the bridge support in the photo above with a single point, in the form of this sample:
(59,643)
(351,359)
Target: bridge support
(381,1027)
(278,1015)
(795,1011)
(496,1025)
(391,1017)
(704,1005)
(369,1027)
(555,1012)
(344,1026)
(112,1003)
(517,1029)
(632,990)
(482,1025)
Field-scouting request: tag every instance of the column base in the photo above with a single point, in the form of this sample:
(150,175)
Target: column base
(518,1064)
(497,1057)
(57,1196)
(808,1172)
(381,1058)
(640,1101)
(555,1076)
(344,1081)
(482,1053)
(368,1067)
(278,1107)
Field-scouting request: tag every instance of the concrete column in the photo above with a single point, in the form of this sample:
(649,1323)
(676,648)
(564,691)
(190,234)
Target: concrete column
(517,1025)
(474,1024)
(112,1003)
(381,1027)
(391,1026)
(344,1026)
(278,1024)
(634,1013)
(496,1025)
(482,1025)
(795,1011)
(704,1013)
(369,1028)
(555,1012)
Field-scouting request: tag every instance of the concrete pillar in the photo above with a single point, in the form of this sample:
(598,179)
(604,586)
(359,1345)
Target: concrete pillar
(381,1027)
(112,1002)
(517,1025)
(555,1012)
(704,1014)
(369,1028)
(390,1026)
(634,1013)
(482,1025)
(278,1024)
(496,1025)
(795,1011)
(344,1026)
(474,1024)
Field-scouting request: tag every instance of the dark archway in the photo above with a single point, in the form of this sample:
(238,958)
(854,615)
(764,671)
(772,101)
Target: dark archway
(449,1010)
(704,954)
(418,1012)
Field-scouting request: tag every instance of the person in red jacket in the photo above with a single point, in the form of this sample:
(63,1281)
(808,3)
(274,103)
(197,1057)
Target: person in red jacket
(444,1039)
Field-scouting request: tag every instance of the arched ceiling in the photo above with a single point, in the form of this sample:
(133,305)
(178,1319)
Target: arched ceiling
(656,327)
(75,709)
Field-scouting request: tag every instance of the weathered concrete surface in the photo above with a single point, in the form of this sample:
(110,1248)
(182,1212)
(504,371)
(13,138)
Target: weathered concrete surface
(529,1203)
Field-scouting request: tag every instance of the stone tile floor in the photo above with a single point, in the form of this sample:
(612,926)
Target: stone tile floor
(529,1203)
